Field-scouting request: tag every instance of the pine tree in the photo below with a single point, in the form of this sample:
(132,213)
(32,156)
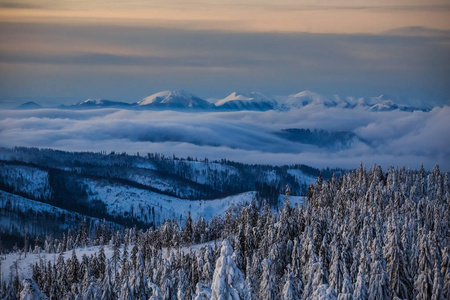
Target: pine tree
(182,286)
(73,269)
(31,291)
(228,281)
(107,286)
(319,287)
(208,268)
(395,264)
(347,288)
(423,284)
(437,293)
(337,268)
(360,285)
(290,289)
(267,289)
(379,281)
(445,272)
(188,231)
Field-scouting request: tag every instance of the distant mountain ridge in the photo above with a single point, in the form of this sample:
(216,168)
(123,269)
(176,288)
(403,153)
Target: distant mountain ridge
(29,105)
(253,101)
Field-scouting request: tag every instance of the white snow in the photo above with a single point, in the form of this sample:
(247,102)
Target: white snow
(157,97)
(25,261)
(122,200)
(28,180)
(301,177)
(176,98)
(233,97)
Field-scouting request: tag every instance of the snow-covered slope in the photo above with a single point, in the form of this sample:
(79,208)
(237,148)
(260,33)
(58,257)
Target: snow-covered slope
(28,217)
(148,206)
(174,99)
(243,101)
(25,180)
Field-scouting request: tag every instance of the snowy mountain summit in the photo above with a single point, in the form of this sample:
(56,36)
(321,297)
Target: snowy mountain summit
(246,101)
(174,99)
(97,103)
(306,98)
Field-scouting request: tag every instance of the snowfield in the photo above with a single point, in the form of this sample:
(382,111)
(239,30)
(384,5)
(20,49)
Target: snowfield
(150,206)
(28,180)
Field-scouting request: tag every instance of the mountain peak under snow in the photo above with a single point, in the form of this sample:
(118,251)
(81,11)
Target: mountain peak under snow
(246,101)
(175,98)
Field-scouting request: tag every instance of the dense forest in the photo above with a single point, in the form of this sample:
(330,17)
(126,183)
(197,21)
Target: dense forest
(362,235)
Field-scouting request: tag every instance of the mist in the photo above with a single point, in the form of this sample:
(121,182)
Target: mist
(392,138)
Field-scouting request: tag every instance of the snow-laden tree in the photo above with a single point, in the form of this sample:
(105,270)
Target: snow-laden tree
(379,281)
(138,282)
(73,269)
(107,286)
(347,288)
(208,266)
(423,284)
(92,292)
(319,288)
(337,268)
(125,290)
(360,291)
(155,291)
(291,288)
(202,292)
(228,282)
(182,286)
(31,291)
(445,272)
(437,293)
(267,288)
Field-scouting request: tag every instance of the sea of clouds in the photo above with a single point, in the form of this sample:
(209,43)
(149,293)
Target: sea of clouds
(392,138)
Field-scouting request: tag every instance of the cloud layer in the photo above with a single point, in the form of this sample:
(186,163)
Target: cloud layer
(394,138)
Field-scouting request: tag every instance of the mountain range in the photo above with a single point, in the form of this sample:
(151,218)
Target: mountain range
(253,101)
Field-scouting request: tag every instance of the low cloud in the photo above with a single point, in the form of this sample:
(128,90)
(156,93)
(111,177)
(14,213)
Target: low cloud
(393,138)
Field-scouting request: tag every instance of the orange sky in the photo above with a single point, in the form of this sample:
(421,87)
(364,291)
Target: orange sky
(345,16)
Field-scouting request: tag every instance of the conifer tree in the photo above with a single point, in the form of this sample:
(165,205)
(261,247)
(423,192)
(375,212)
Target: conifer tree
(228,281)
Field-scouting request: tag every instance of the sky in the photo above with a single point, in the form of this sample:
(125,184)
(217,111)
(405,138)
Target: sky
(66,51)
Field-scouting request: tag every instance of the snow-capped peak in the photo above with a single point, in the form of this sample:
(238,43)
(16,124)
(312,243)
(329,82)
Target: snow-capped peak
(92,102)
(306,98)
(154,98)
(233,97)
(246,101)
(175,98)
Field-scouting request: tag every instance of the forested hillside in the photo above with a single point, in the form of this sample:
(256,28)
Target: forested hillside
(128,190)
(363,235)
